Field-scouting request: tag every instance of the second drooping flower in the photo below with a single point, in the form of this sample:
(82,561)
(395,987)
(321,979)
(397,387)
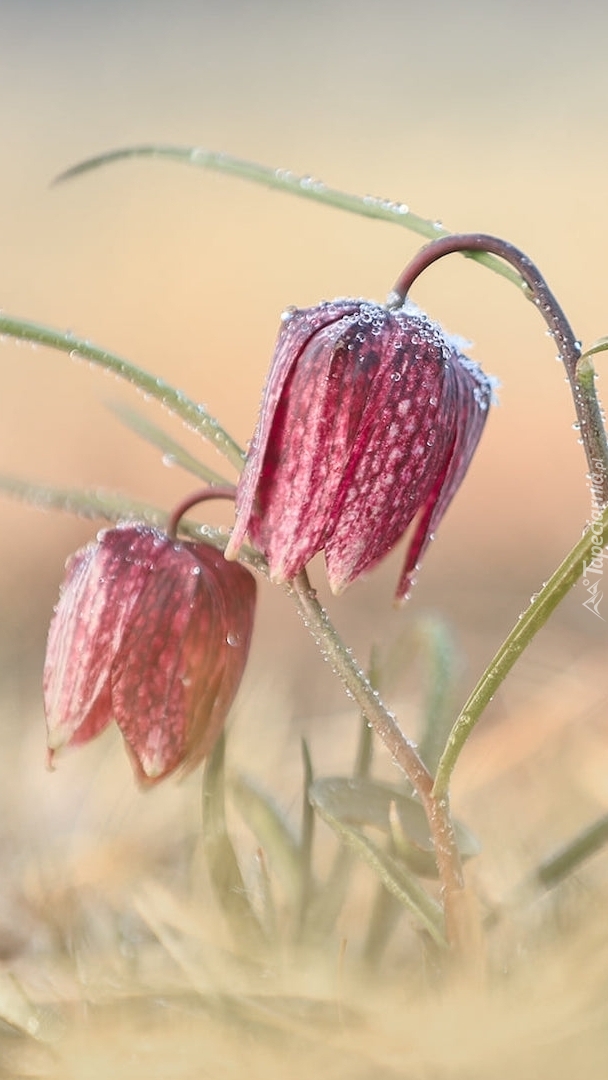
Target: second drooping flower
(153,633)
(369,421)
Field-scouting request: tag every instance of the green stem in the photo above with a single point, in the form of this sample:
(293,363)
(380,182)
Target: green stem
(525,629)
(194,415)
(555,868)
(565,861)
(403,752)
(356,684)
(305,187)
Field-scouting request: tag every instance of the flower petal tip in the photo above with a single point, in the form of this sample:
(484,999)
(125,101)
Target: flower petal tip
(231,551)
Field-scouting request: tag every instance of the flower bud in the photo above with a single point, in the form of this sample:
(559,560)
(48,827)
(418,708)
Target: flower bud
(368,423)
(151,633)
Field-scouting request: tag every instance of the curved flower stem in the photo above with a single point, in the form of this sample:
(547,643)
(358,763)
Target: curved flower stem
(116,507)
(526,627)
(220,491)
(587,407)
(404,753)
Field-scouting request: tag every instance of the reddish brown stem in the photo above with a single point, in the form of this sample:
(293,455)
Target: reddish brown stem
(587,407)
(404,754)
(220,491)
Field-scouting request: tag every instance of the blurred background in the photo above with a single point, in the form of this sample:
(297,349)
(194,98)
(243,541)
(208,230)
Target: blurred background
(487,116)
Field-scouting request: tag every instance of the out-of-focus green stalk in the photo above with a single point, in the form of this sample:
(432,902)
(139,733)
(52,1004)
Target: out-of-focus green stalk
(527,626)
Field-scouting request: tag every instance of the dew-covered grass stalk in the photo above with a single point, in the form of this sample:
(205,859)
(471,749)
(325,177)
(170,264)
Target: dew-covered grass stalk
(193,414)
(303,187)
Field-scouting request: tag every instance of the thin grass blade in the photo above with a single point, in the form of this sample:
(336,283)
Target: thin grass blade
(305,187)
(224,872)
(267,823)
(194,415)
(393,875)
(172,451)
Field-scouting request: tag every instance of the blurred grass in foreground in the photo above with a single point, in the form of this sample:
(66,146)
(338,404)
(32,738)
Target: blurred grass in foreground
(117,961)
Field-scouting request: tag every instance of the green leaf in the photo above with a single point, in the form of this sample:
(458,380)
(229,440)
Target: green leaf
(224,872)
(383,920)
(305,187)
(554,869)
(307,838)
(364,802)
(427,643)
(275,836)
(194,415)
(527,626)
(573,854)
(442,663)
(114,506)
(169,447)
(327,902)
(105,505)
(601,345)
(392,873)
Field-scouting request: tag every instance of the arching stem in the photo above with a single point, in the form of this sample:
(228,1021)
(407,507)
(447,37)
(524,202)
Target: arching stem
(589,415)
(219,491)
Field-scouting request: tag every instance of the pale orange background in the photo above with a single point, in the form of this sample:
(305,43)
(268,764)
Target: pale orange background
(489,116)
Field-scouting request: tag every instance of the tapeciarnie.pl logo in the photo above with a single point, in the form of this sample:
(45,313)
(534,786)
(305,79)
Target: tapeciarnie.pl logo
(593,571)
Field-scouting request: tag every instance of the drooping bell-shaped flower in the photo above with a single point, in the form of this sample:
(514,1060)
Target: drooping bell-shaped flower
(369,420)
(154,634)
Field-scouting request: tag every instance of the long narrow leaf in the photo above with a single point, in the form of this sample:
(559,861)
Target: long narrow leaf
(573,854)
(391,873)
(94,505)
(383,921)
(307,887)
(363,802)
(194,415)
(224,871)
(114,506)
(173,452)
(305,187)
(327,903)
(442,663)
(271,830)
(601,345)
